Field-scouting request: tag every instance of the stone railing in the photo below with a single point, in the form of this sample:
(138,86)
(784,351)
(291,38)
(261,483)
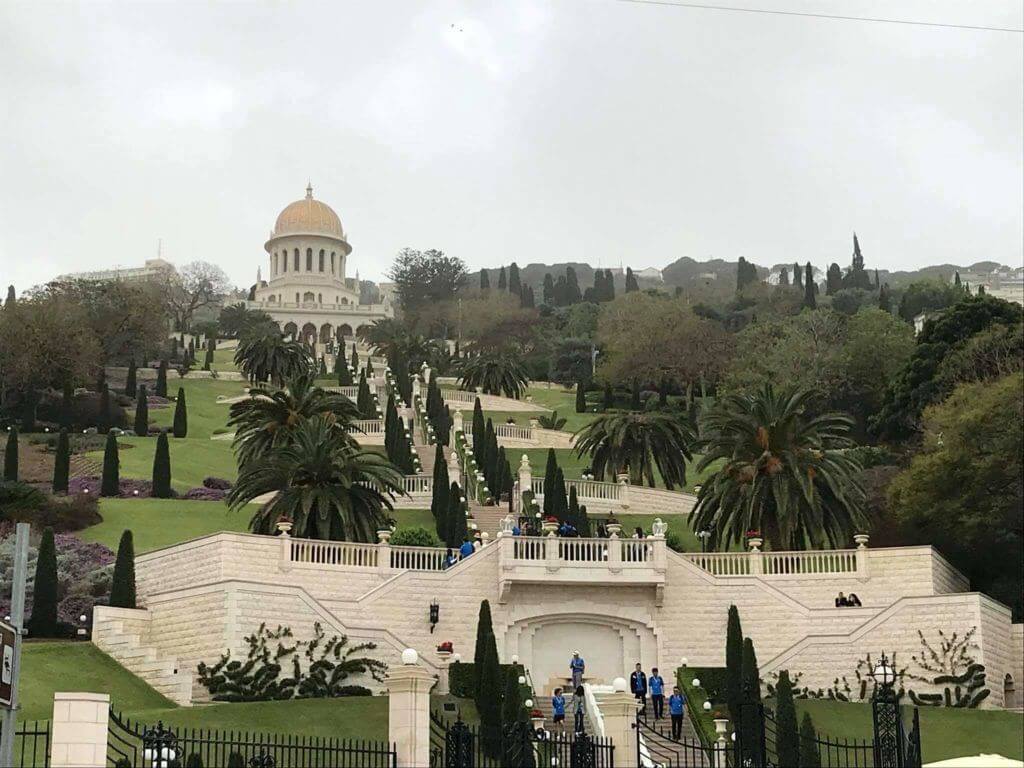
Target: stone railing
(813,563)
(458,396)
(351,309)
(513,432)
(350,392)
(605,497)
(369,426)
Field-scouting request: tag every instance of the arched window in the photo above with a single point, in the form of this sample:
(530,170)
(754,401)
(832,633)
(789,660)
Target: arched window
(332,262)
(296,262)
(272,299)
(284,261)
(321,259)
(319,298)
(308,297)
(296,297)
(309,259)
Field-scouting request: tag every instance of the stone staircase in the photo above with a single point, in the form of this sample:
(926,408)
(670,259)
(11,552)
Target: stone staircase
(121,633)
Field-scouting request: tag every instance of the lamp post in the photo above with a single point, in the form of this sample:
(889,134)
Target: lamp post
(159,747)
(704,536)
(885,713)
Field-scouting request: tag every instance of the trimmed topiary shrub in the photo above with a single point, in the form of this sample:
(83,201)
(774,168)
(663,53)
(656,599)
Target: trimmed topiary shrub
(43,621)
(162,468)
(11,456)
(122,588)
(414,537)
(180,428)
(204,494)
(218,483)
(110,483)
(62,463)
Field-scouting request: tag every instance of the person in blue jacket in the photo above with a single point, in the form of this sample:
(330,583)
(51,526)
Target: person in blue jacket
(576,668)
(638,687)
(558,709)
(656,684)
(676,709)
(466,549)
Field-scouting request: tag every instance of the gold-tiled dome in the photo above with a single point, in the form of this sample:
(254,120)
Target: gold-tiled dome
(309,216)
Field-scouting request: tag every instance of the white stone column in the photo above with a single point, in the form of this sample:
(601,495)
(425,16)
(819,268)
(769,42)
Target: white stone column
(623,480)
(408,686)
(551,551)
(861,540)
(80,722)
(525,475)
(614,553)
(454,470)
(619,712)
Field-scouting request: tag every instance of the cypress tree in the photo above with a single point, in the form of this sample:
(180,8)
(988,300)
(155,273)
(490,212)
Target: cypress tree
(809,300)
(750,727)
(609,396)
(550,471)
(809,755)
(784,276)
(122,587)
(797,276)
(208,358)
(141,412)
(323,366)
(512,709)
(180,428)
(485,642)
(10,297)
(734,663)
(572,517)
(110,484)
(560,504)
(101,378)
(502,279)
(439,493)
(833,279)
(161,379)
(195,760)
(344,373)
(67,405)
(62,463)
(634,398)
(456,528)
(11,456)
(631,282)
(885,299)
(129,383)
(43,622)
(162,468)
(514,283)
(581,398)
(489,459)
(583,526)
(489,701)
(787,739)
(485,280)
(104,420)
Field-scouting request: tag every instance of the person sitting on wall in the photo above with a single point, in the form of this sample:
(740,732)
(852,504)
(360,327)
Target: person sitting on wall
(466,549)
(510,420)
(449,559)
(842,601)
(853,601)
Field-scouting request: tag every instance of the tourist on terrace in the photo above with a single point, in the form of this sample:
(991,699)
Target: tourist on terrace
(558,709)
(449,559)
(841,601)
(466,549)
(579,708)
(577,667)
(638,687)
(657,686)
(853,601)
(676,703)
(638,532)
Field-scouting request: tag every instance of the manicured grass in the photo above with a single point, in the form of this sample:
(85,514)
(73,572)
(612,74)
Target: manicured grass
(945,732)
(192,459)
(223,360)
(205,414)
(77,666)
(573,465)
(157,523)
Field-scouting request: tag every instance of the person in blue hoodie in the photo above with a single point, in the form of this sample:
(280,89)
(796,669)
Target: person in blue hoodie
(656,684)
(638,687)
(466,549)
(676,709)
(558,709)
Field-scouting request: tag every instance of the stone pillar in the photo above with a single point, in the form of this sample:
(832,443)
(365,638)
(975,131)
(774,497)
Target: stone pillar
(384,552)
(525,475)
(415,387)
(614,553)
(283,529)
(721,726)
(861,540)
(454,471)
(408,685)
(80,725)
(551,551)
(619,712)
(623,480)
(426,373)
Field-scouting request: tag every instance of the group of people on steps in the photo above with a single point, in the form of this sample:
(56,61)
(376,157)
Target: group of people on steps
(640,685)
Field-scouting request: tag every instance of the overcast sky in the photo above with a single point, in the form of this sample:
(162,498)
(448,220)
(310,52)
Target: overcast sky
(590,130)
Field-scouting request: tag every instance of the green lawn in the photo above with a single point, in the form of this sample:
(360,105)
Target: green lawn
(157,523)
(205,414)
(223,360)
(945,733)
(192,459)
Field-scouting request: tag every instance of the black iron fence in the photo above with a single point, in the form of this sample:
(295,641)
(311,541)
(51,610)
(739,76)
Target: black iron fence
(657,745)
(32,744)
(460,745)
(135,745)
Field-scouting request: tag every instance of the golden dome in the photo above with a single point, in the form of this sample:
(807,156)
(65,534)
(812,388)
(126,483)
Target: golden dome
(309,216)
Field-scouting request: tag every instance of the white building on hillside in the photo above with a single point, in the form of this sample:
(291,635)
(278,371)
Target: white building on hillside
(152,269)
(307,292)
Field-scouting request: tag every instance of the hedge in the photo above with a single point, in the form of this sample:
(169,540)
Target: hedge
(712,688)
(460,678)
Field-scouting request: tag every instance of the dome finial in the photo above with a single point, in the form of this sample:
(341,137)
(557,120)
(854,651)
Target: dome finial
(309,190)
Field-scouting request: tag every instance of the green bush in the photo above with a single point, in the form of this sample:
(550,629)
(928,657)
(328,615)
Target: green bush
(21,503)
(43,622)
(461,676)
(162,468)
(414,537)
(122,590)
(62,463)
(11,456)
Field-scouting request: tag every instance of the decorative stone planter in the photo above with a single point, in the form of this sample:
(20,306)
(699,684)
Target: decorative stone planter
(384,535)
(861,540)
(284,527)
(614,530)
(755,542)
(538,723)
(549,527)
(721,726)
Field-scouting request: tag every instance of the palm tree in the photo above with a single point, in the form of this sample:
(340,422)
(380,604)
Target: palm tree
(637,443)
(783,472)
(327,487)
(495,373)
(390,339)
(237,320)
(269,357)
(269,417)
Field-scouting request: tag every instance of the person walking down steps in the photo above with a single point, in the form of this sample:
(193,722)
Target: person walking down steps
(579,709)
(558,709)
(638,687)
(676,703)
(576,668)
(656,685)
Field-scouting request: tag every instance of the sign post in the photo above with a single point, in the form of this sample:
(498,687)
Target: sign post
(10,651)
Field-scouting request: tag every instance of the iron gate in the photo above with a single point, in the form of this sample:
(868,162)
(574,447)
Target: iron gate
(460,745)
(656,746)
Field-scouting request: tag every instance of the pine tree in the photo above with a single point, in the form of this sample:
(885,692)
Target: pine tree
(502,279)
(43,622)
(489,702)
(162,468)
(833,279)
(67,405)
(103,422)
(456,528)
(798,281)
(609,396)
(62,463)
(11,456)
(787,738)
(129,383)
(631,282)
(809,755)
(809,299)
(515,285)
(180,428)
(161,380)
(560,502)
(581,398)
(485,280)
(885,299)
(122,587)
(485,642)
(550,473)
(110,485)
(141,412)
(734,663)
(784,276)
